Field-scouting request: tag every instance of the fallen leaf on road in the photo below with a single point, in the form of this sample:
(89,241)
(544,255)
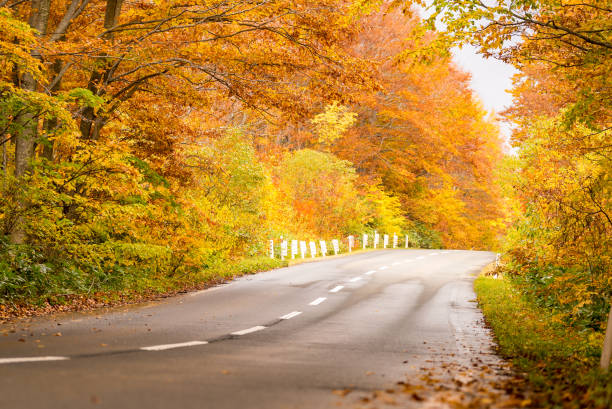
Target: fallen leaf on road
(417,397)
(341,392)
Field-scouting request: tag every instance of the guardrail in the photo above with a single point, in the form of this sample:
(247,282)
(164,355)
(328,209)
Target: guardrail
(296,248)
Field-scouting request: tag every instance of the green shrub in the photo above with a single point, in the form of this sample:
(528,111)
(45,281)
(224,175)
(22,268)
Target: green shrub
(561,361)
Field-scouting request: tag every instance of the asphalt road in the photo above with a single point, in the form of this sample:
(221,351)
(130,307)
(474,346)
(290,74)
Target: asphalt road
(286,338)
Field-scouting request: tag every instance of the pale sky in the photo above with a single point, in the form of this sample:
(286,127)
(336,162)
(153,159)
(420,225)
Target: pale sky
(490,80)
(490,77)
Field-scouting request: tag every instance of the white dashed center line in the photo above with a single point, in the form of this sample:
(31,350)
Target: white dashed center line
(336,289)
(171,346)
(409,260)
(249,330)
(354,279)
(369,273)
(420,257)
(395,264)
(383,268)
(318,301)
(432,254)
(290,315)
(32,359)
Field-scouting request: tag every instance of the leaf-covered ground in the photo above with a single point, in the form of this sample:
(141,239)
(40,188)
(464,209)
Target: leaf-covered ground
(478,379)
(561,360)
(526,359)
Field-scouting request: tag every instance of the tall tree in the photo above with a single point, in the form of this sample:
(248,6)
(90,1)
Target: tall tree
(426,137)
(181,60)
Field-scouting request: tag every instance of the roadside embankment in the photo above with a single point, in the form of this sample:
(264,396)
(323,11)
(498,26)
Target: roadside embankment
(560,361)
(141,288)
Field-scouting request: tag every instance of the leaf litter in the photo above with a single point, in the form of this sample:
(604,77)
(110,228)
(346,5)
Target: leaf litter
(470,376)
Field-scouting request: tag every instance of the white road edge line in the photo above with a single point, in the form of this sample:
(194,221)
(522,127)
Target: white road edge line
(290,315)
(32,359)
(369,273)
(318,301)
(383,268)
(249,330)
(355,279)
(172,346)
(336,289)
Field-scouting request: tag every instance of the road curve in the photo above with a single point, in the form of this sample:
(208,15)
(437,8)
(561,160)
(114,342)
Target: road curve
(285,338)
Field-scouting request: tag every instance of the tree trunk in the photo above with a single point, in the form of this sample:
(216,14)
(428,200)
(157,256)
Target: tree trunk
(113,8)
(25,140)
(90,123)
(50,125)
(606,351)
(88,117)
(5,142)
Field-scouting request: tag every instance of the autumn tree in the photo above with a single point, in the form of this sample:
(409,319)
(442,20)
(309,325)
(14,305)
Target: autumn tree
(173,61)
(322,189)
(561,111)
(426,137)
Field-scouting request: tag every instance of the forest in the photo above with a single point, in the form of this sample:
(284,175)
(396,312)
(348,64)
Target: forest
(155,146)
(145,143)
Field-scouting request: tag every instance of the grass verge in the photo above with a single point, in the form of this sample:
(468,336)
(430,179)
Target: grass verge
(139,288)
(560,361)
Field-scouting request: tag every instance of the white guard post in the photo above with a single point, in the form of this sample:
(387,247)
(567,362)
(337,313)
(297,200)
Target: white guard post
(294,248)
(376,239)
(351,242)
(336,246)
(323,247)
(303,248)
(365,241)
(394,240)
(284,248)
(385,241)
(313,249)
(406,241)
(271,248)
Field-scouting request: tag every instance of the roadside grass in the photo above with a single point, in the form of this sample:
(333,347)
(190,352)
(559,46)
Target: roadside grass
(561,362)
(45,290)
(29,287)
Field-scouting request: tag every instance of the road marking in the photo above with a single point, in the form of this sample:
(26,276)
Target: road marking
(432,254)
(336,289)
(318,301)
(290,315)
(420,257)
(218,287)
(395,264)
(408,260)
(171,346)
(32,359)
(355,279)
(249,330)
(383,268)
(369,273)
